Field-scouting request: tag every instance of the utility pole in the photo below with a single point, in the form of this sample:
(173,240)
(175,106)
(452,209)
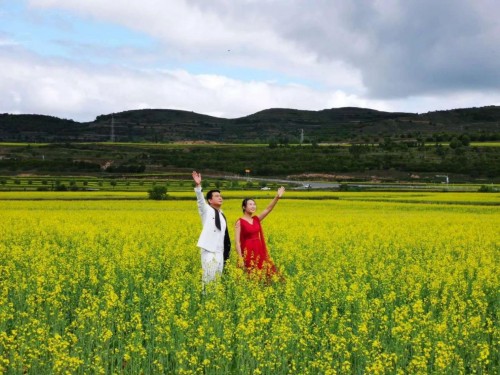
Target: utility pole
(301,136)
(445,176)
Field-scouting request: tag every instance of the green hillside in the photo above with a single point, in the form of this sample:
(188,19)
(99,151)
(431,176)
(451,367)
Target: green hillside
(358,125)
(389,161)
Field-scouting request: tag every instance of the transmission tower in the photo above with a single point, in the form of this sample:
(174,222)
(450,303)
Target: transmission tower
(446,177)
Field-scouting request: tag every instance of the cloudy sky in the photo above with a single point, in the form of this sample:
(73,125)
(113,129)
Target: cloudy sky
(78,59)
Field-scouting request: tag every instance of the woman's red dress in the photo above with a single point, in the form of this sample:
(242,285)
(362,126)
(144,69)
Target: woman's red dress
(253,246)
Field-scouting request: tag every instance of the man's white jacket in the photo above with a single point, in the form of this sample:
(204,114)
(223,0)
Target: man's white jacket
(211,238)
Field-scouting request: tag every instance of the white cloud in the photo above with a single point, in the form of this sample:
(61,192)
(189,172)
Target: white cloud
(389,55)
(6,42)
(235,34)
(389,49)
(81,92)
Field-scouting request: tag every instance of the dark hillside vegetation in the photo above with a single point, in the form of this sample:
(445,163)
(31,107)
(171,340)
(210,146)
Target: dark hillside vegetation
(401,160)
(276,125)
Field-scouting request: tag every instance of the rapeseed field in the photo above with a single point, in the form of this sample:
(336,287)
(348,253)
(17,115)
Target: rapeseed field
(114,287)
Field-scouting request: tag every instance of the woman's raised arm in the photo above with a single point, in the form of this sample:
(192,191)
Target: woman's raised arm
(271,205)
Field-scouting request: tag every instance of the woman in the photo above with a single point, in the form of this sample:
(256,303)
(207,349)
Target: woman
(249,238)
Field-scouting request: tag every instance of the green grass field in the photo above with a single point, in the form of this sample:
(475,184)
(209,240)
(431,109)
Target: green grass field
(234,197)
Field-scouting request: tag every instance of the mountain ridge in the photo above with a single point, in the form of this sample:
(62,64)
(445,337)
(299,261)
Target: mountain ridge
(352,124)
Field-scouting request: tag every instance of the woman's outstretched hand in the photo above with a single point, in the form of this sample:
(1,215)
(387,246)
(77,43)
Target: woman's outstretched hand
(281,190)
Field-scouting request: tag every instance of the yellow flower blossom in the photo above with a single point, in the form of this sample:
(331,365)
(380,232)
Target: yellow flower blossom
(368,287)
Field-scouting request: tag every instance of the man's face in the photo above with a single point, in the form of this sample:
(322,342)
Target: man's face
(216,200)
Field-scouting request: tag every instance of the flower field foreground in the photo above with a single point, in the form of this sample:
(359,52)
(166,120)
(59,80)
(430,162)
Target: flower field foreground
(369,287)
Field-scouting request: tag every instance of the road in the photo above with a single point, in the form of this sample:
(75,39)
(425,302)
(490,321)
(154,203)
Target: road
(303,185)
(300,184)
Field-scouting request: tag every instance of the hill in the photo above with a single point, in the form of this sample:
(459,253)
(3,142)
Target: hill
(272,125)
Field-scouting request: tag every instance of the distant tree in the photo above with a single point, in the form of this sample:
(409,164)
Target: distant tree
(285,142)
(358,149)
(455,143)
(113,183)
(440,150)
(61,187)
(158,193)
(343,187)
(465,139)
(420,142)
(72,186)
(487,189)
(388,144)
(205,184)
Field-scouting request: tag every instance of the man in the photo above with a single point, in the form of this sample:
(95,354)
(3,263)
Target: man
(214,238)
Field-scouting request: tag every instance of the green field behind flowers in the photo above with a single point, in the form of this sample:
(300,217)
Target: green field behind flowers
(474,198)
(389,283)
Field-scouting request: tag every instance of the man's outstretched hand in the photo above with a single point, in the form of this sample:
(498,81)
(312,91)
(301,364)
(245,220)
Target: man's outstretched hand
(197,178)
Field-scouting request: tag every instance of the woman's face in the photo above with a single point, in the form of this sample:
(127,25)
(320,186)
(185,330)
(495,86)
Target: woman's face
(250,207)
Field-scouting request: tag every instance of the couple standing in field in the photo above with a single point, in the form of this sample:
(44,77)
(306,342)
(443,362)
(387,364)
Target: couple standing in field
(214,240)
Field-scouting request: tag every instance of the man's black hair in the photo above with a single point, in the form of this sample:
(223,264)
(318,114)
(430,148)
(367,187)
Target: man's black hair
(209,194)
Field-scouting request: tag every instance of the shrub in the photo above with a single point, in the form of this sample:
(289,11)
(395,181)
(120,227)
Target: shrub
(158,193)
(455,143)
(487,189)
(61,187)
